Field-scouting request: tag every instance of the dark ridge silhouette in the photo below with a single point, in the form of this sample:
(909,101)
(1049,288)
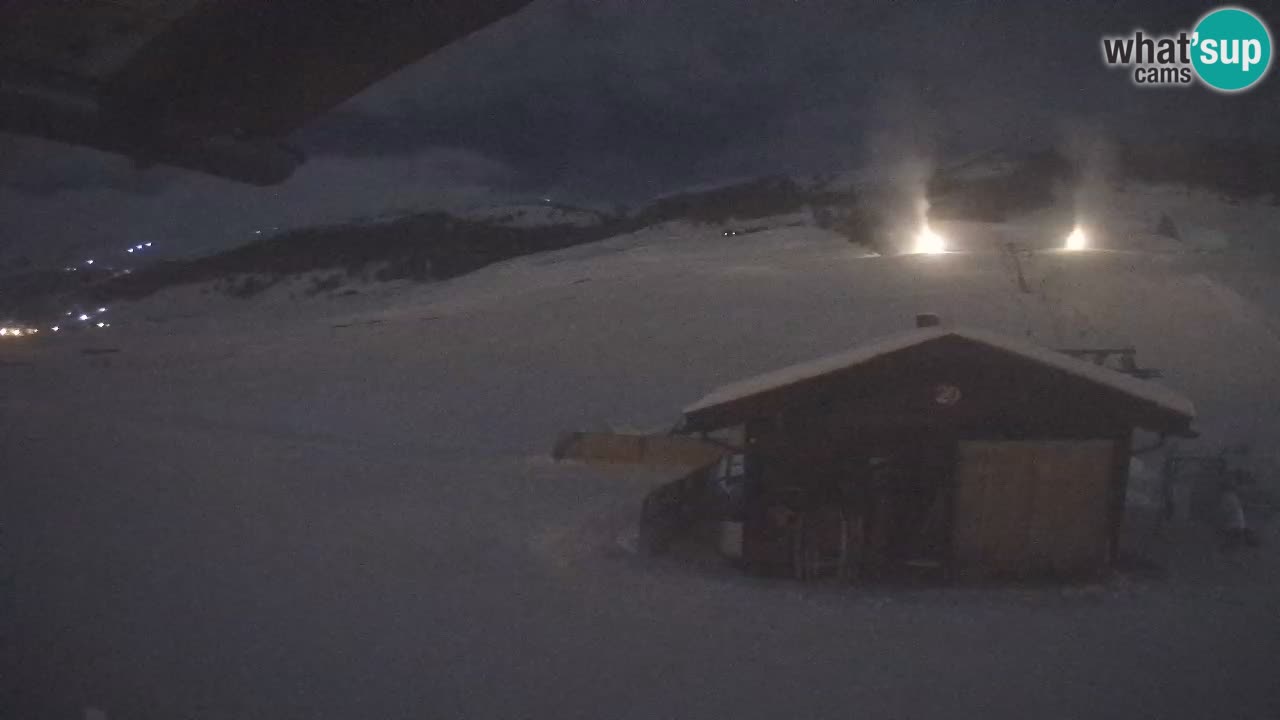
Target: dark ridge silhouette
(1237,170)
(773,195)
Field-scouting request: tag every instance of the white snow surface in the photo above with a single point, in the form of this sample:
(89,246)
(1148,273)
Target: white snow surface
(341,507)
(1149,391)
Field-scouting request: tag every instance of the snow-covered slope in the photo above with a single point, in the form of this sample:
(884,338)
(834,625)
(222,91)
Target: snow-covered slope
(709,309)
(343,510)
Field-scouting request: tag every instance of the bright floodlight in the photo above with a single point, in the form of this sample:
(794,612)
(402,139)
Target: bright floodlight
(930,242)
(4,331)
(1077,240)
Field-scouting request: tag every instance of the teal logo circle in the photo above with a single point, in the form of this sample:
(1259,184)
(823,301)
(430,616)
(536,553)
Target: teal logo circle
(1231,49)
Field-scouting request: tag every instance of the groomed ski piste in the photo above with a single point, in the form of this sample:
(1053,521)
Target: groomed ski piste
(341,506)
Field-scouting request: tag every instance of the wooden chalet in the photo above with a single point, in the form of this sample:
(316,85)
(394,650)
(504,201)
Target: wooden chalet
(943,450)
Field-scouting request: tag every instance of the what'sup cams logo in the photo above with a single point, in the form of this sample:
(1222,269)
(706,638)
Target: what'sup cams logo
(1229,51)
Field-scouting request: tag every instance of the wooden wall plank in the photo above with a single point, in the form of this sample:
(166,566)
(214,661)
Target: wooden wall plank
(1033,508)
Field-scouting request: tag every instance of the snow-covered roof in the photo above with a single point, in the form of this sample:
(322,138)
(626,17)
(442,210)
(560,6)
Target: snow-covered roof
(1141,389)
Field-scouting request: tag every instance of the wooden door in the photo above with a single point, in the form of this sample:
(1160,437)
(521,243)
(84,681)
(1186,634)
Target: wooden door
(1027,509)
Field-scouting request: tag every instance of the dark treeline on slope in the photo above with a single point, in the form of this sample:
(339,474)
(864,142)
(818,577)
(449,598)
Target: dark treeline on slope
(428,246)
(438,246)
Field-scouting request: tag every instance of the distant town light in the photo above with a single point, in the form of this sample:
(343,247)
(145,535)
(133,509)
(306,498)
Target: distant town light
(130,249)
(84,317)
(89,261)
(102,309)
(147,244)
(54,328)
(102,324)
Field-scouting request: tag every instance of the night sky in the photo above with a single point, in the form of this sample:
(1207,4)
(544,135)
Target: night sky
(614,101)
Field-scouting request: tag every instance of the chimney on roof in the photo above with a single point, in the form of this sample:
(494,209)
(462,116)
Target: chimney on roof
(928,320)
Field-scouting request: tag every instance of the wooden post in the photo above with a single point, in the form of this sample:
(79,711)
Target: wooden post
(1119,488)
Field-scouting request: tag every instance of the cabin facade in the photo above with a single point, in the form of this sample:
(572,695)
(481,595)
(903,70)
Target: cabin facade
(943,451)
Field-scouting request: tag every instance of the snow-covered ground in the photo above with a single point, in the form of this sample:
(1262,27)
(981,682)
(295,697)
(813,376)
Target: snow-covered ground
(341,507)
